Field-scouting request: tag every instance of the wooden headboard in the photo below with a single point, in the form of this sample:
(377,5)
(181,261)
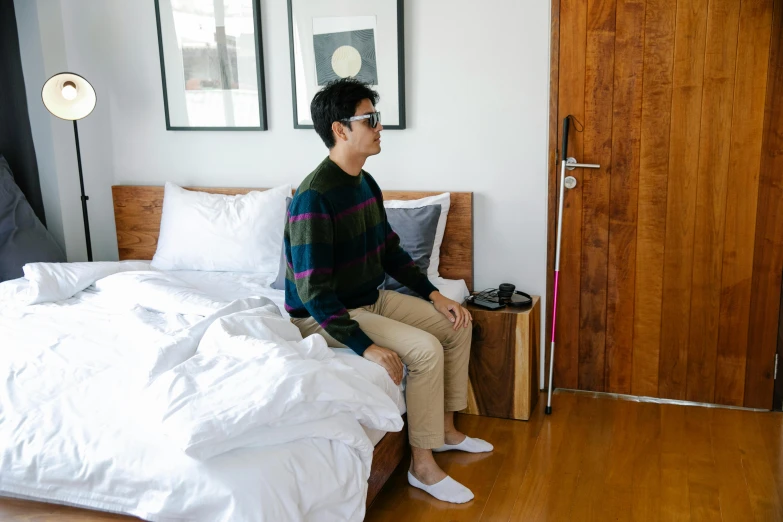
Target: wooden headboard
(137,211)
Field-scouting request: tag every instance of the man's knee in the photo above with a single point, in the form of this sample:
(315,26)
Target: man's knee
(465,336)
(459,339)
(426,355)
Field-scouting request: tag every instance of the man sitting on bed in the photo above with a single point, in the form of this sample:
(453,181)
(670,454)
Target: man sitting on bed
(339,246)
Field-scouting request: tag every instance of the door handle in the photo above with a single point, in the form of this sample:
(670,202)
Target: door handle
(571,164)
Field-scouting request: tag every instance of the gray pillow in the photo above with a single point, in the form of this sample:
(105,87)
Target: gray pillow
(416,228)
(279,283)
(23,238)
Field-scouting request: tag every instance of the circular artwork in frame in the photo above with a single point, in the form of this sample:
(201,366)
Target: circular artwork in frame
(360,39)
(345,54)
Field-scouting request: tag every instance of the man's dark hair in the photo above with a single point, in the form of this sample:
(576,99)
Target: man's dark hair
(337,101)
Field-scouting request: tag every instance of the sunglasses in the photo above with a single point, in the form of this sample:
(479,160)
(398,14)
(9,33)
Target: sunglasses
(374,117)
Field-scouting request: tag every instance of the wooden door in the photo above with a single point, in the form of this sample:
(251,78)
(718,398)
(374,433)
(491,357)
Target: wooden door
(672,251)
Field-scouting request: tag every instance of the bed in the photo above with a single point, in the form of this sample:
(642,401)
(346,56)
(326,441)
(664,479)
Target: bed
(137,217)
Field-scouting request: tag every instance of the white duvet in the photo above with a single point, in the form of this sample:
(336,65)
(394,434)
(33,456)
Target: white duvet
(142,395)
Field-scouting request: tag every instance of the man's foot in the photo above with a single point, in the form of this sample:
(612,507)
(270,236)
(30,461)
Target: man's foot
(447,489)
(427,472)
(454,437)
(468,444)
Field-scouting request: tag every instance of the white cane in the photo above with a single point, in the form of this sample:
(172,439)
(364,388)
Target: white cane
(565,183)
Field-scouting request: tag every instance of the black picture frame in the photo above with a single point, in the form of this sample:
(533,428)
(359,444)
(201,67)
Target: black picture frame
(400,69)
(263,121)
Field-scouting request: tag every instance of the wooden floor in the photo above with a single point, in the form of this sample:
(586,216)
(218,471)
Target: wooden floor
(606,459)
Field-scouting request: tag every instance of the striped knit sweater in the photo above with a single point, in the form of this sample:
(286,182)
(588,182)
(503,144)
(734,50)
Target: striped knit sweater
(339,246)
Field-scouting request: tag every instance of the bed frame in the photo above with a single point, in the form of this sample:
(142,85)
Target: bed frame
(137,212)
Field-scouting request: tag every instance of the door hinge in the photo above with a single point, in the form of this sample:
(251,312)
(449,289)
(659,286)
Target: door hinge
(775,375)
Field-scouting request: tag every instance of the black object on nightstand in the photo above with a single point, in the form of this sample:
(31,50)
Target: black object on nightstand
(497,298)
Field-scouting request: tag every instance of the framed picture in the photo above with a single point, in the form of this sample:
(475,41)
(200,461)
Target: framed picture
(212,64)
(333,39)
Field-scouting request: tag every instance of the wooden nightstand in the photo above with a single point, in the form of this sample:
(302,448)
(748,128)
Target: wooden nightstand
(504,361)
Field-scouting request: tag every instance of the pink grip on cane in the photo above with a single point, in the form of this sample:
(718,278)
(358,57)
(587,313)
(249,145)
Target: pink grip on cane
(554,305)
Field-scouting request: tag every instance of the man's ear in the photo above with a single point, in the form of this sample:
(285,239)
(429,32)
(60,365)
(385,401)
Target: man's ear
(339,131)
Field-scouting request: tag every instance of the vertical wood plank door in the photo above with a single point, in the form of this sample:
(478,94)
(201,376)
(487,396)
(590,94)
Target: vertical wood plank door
(672,251)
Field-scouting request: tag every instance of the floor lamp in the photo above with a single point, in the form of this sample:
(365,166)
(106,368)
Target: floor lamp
(70,97)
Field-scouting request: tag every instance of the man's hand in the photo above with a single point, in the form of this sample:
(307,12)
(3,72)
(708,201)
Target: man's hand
(386,358)
(451,309)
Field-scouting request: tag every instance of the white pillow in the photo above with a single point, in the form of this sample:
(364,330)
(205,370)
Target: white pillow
(444,200)
(49,282)
(213,232)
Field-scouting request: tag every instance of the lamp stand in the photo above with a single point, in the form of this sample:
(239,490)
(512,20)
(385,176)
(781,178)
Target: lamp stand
(84,198)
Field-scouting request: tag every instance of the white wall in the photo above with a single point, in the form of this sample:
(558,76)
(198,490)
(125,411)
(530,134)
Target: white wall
(34,36)
(476,93)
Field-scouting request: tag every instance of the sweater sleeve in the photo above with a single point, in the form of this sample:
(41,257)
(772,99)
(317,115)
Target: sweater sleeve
(311,232)
(398,264)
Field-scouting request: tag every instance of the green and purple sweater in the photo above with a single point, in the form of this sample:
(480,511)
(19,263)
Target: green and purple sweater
(339,246)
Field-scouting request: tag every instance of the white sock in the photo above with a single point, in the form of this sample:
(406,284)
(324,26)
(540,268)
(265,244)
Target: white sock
(447,490)
(469,444)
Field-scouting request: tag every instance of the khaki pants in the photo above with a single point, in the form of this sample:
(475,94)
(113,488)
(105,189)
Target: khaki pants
(436,356)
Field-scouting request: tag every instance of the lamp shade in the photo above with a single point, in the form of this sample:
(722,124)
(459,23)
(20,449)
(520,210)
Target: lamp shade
(68,96)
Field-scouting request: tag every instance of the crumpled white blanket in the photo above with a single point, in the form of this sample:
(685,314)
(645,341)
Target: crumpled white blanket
(140,395)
